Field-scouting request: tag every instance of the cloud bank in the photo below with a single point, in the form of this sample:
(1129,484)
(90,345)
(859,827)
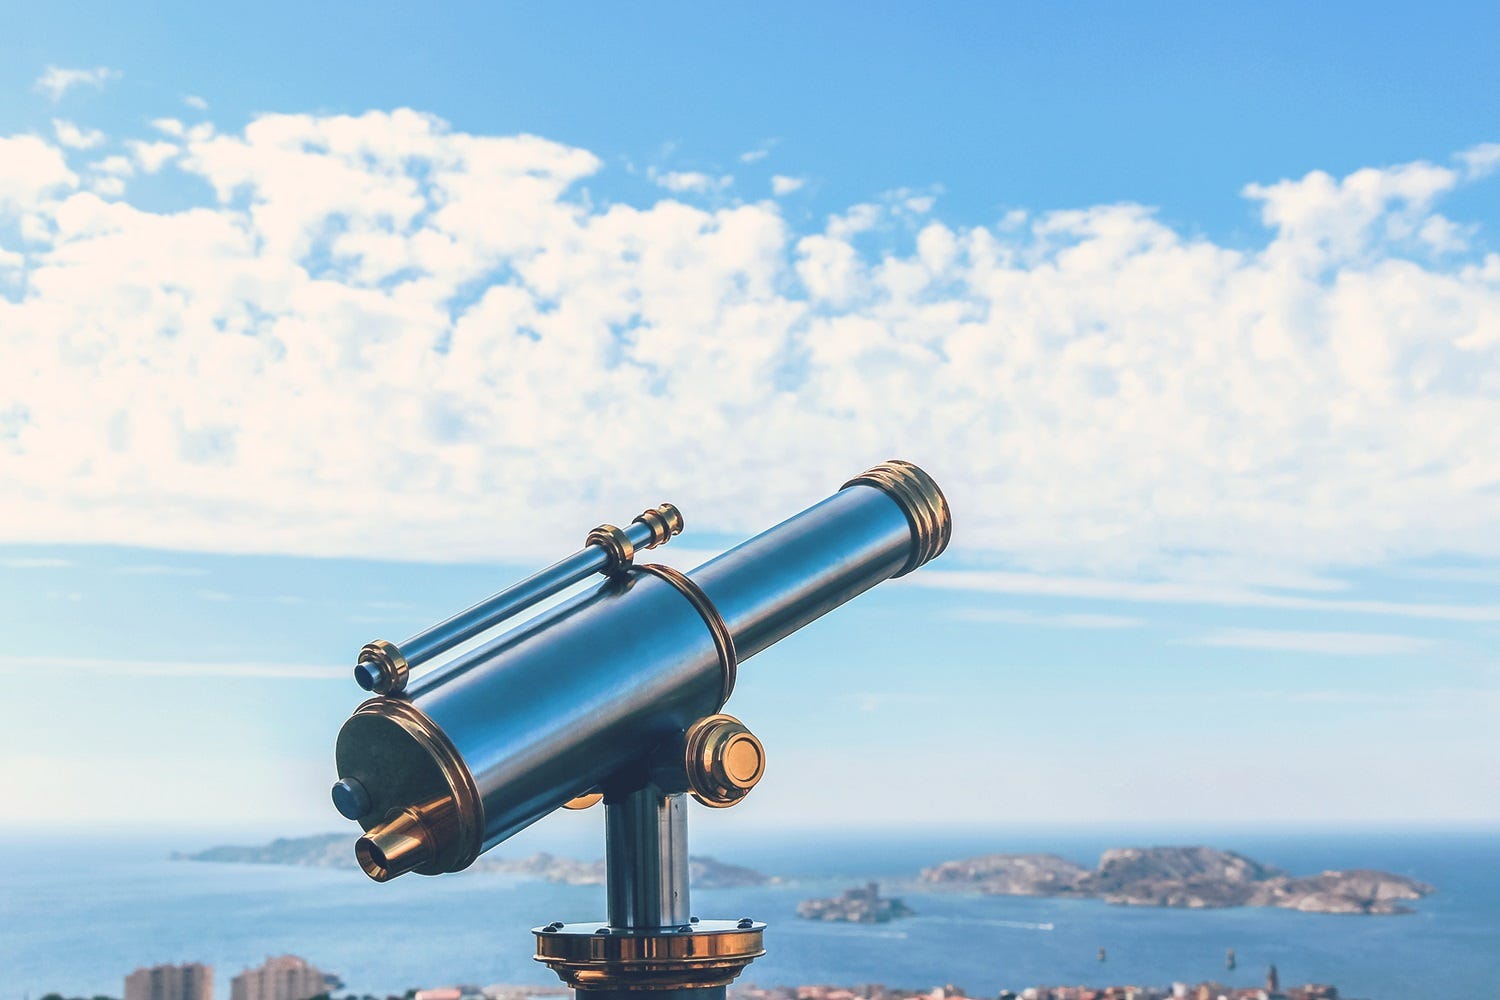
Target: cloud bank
(376,335)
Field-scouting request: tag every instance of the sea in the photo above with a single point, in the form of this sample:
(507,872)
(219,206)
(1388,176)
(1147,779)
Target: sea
(79,911)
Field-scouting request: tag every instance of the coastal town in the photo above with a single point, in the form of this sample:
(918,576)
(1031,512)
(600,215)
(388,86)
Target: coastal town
(289,977)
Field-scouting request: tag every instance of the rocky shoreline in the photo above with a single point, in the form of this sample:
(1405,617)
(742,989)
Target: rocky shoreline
(861,905)
(1190,877)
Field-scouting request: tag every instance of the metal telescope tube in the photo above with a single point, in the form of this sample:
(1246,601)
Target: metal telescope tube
(571,699)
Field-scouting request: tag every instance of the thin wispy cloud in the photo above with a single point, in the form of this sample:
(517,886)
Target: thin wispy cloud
(151,668)
(34,562)
(1328,643)
(159,569)
(1087,588)
(691,181)
(1016,616)
(488,306)
(56,81)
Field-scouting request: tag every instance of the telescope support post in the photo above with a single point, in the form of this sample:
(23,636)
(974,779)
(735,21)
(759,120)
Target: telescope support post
(651,948)
(646,860)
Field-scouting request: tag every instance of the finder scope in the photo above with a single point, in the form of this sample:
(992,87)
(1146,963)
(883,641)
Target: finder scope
(616,693)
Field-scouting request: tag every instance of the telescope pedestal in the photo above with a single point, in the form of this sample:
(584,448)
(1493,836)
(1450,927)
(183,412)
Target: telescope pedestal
(652,943)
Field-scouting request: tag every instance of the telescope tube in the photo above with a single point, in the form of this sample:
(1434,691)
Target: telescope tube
(563,703)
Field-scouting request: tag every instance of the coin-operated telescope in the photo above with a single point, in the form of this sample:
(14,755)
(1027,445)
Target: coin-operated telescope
(616,694)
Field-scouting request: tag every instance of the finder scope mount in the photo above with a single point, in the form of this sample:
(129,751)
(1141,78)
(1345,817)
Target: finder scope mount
(615,695)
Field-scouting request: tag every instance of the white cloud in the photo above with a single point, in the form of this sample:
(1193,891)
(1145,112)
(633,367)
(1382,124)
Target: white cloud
(75,137)
(783,185)
(152,156)
(195,102)
(31,173)
(56,81)
(1329,643)
(381,337)
(684,182)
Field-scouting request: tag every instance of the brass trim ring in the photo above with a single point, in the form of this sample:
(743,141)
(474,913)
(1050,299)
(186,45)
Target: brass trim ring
(468,808)
(664,520)
(920,499)
(394,670)
(723,639)
(616,544)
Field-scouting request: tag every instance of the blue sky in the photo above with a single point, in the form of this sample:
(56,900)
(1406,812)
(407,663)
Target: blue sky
(1195,314)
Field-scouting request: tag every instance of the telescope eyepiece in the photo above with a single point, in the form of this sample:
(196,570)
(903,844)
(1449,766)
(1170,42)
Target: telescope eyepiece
(394,848)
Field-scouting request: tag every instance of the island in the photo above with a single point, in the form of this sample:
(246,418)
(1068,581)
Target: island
(336,850)
(860,905)
(1191,877)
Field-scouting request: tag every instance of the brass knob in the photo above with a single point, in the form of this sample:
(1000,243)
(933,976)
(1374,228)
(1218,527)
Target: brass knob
(724,760)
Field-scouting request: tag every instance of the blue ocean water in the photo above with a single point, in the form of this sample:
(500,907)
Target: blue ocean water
(76,915)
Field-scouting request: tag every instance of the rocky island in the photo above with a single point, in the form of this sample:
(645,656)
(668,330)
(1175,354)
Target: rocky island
(335,850)
(861,905)
(1192,877)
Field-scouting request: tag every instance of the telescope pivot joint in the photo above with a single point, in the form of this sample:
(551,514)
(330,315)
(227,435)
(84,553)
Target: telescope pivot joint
(723,760)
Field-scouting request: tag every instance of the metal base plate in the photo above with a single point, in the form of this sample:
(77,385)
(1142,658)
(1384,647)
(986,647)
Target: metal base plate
(693,956)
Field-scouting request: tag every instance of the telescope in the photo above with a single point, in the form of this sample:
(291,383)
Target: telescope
(616,694)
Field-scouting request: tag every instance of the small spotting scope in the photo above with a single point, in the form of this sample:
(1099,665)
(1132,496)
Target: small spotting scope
(615,694)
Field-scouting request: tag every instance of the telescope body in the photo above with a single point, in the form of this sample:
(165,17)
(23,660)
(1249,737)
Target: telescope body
(580,697)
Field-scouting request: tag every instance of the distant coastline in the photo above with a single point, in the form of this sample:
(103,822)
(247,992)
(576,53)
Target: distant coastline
(1178,877)
(1186,877)
(335,850)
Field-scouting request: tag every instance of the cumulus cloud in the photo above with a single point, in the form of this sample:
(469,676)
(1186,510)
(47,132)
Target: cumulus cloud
(377,335)
(31,172)
(56,81)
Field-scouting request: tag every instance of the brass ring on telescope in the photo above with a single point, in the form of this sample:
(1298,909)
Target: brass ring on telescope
(467,813)
(723,639)
(664,520)
(617,546)
(920,499)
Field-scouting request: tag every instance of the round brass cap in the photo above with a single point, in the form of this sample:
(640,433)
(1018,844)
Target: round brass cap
(724,760)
